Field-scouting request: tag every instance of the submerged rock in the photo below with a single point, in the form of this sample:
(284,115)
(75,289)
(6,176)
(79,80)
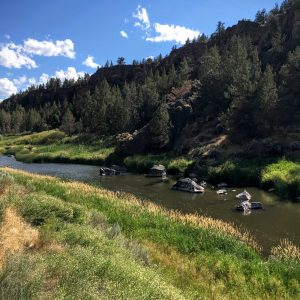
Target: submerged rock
(244,196)
(222,192)
(188,185)
(108,171)
(246,206)
(222,184)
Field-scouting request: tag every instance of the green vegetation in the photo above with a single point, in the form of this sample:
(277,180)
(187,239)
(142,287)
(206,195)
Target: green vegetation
(86,242)
(282,175)
(55,146)
(242,83)
(142,163)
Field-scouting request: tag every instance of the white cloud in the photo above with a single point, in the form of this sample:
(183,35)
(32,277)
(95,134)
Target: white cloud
(142,15)
(124,34)
(167,33)
(12,56)
(50,48)
(7,88)
(44,78)
(70,73)
(20,81)
(7,36)
(89,62)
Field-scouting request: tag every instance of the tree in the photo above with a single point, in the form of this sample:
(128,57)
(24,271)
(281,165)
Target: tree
(184,70)
(159,128)
(121,61)
(267,98)
(289,89)
(68,123)
(240,89)
(261,17)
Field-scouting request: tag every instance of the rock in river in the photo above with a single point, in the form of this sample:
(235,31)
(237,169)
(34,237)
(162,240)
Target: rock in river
(188,185)
(157,171)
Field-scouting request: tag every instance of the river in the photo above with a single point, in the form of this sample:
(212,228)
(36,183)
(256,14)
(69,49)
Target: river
(278,220)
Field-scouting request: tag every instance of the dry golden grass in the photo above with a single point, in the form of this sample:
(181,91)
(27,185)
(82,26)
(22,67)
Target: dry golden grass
(15,234)
(286,250)
(82,189)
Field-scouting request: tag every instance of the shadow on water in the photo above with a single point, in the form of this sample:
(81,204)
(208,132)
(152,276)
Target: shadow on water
(278,220)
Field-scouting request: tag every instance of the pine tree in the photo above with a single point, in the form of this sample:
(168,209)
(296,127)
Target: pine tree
(159,128)
(68,123)
(289,90)
(267,98)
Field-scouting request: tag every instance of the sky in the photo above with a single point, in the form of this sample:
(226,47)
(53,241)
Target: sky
(66,39)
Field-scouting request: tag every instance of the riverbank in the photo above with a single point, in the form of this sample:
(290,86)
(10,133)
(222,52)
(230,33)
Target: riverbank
(280,175)
(92,235)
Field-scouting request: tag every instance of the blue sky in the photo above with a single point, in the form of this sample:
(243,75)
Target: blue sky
(65,39)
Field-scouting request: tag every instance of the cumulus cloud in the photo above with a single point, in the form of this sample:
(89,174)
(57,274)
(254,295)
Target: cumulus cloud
(20,81)
(142,15)
(50,48)
(7,87)
(89,62)
(168,33)
(70,73)
(18,56)
(13,56)
(123,34)
(44,78)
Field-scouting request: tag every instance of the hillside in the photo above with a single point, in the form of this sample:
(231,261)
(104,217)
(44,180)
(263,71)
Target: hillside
(233,94)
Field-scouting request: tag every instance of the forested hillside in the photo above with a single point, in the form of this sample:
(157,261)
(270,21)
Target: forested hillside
(242,81)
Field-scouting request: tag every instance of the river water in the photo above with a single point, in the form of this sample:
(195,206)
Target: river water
(278,220)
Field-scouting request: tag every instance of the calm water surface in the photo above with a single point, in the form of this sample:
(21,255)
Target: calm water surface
(279,219)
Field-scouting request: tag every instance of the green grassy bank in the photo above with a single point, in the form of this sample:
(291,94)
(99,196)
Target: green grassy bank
(77,241)
(55,146)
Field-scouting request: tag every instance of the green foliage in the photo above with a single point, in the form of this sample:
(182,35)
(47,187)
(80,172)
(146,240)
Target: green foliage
(77,255)
(159,128)
(68,123)
(142,163)
(55,146)
(284,176)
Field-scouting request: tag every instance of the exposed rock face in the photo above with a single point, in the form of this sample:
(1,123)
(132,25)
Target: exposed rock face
(135,143)
(180,111)
(140,141)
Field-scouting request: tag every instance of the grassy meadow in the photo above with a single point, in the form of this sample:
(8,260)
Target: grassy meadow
(70,240)
(56,146)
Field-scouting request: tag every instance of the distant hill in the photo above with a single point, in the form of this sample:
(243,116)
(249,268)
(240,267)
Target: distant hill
(242,81)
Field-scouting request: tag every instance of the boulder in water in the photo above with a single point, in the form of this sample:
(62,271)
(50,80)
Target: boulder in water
(244,196)
(222,192)
(188,185)
(157,171)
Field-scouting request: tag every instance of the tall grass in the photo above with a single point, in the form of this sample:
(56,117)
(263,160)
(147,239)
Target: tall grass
(55,146)
(98,244)
(142,163)
(284,176)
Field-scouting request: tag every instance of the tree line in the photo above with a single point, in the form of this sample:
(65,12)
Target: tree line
(249,91)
